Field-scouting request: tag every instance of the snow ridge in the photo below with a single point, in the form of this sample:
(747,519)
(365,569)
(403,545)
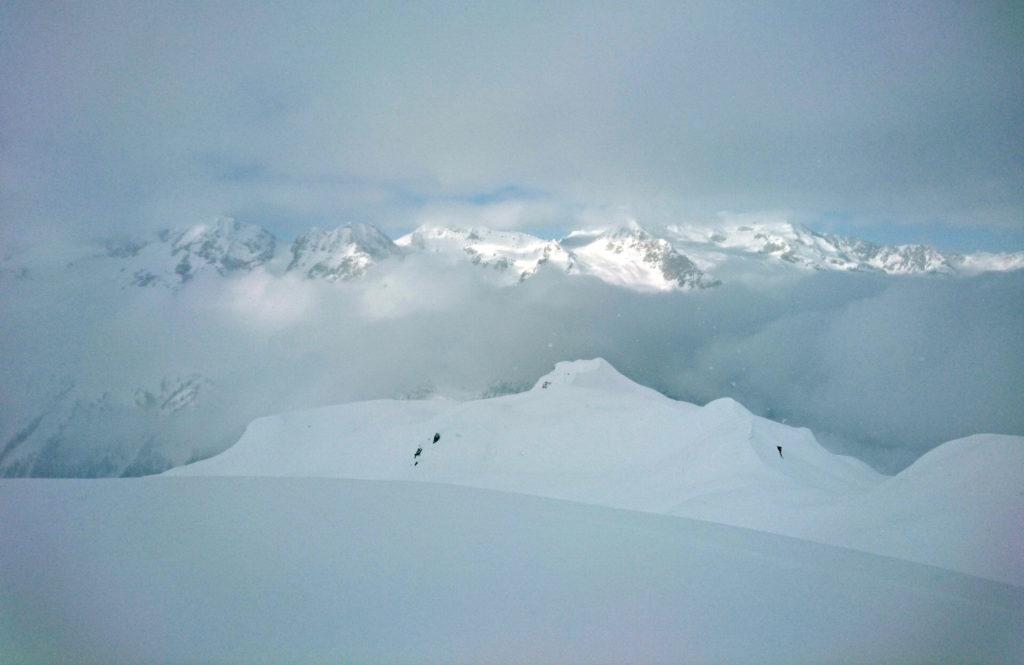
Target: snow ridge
(586,433)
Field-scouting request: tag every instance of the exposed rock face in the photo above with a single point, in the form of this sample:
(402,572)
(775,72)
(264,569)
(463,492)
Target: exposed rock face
(345,253)
(226,246)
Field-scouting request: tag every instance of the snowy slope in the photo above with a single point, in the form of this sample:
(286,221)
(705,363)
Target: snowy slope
(275,570)
(584,432)
(786,243)
(588,434)
(691,256)
(631,257)
(512,256)
(628,256)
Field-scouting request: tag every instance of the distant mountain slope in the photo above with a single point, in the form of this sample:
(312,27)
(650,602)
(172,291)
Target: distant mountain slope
(633,258)
(513,256)
(107,435)
(645,260)
(588,434)
(175,257)
(344,253)
(799,246)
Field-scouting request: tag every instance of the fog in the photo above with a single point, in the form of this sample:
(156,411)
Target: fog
(879,367)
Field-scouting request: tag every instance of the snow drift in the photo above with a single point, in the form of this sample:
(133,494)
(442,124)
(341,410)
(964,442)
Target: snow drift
(299,570)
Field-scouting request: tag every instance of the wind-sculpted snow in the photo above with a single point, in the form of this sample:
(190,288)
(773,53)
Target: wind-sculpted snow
(586,433)
(299,570)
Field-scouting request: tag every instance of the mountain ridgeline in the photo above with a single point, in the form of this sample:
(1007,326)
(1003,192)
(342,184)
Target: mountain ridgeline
(673,258)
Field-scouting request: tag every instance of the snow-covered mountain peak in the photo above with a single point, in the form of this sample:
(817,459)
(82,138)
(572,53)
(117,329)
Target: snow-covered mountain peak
(594,374)
(785,242)
(514,256)
(341,254)
(584,432)
(667,258)
(632,257)
(624,255)
(175,256)
(226,245)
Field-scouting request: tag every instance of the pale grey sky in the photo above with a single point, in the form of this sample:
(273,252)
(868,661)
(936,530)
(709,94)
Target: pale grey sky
(897,121)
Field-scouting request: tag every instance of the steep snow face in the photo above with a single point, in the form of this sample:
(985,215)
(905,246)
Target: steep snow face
(587,433)
(342,254)
(175,257)
(632,257)
(514,257)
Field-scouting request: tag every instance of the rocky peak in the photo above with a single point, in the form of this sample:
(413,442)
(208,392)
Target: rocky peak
(227,246)
(341,254)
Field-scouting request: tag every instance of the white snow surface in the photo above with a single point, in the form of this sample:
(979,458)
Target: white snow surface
(630,257)
(586,433)
(301,570)
(787,243)
(512,256)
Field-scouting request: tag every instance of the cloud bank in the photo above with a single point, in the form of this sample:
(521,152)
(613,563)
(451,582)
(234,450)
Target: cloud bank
(881,368)
(117,115)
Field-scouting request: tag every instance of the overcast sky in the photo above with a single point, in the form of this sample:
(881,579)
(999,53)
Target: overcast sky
(895,121)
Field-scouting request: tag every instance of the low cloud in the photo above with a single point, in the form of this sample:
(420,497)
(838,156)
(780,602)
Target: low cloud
(881,368)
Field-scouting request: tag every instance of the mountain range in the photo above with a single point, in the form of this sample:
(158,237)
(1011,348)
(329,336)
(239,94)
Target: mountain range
(672,258)
(63,420)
